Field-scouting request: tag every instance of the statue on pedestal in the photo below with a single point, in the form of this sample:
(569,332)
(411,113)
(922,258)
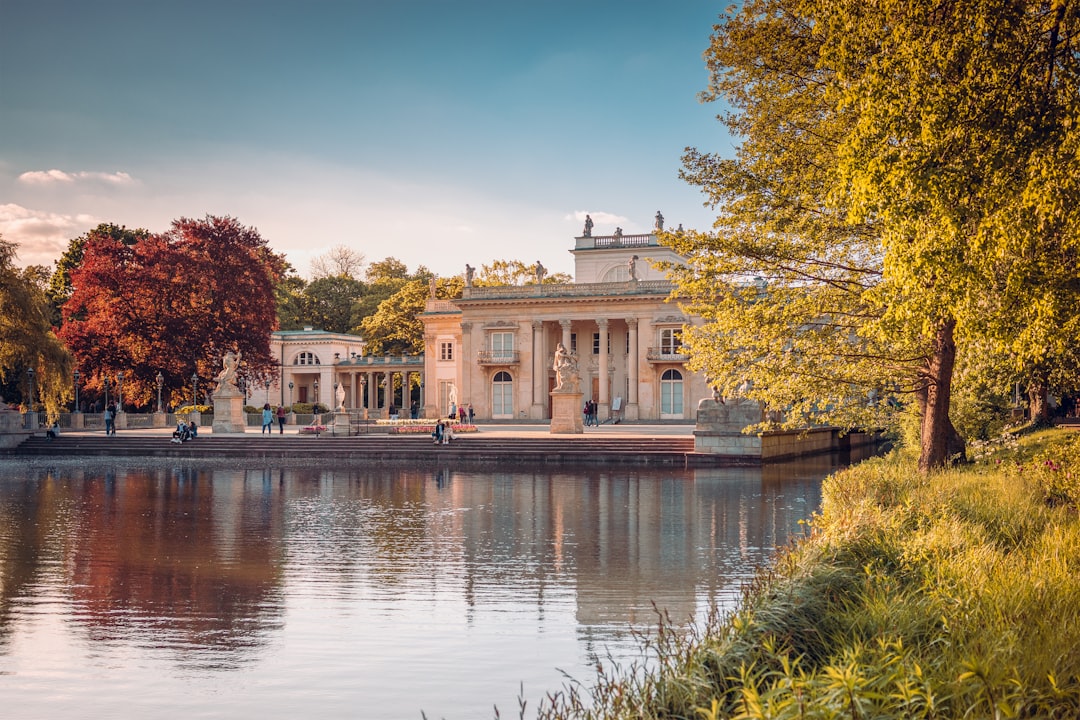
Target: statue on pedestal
(226,379)
(565,366)
(339,397)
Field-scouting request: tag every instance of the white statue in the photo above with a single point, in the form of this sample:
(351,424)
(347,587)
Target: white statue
(339,395)
(566,370)
(230,363)
(631,266)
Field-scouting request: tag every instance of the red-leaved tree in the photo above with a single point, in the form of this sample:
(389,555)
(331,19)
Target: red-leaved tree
(171,303)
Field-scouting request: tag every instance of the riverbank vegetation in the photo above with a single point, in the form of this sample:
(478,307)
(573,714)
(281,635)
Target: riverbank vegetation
(949,595)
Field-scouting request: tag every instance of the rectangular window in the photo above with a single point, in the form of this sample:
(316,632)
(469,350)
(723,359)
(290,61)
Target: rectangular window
(573,342)
(502,344)
(596,343)
(446,351)
(671,341)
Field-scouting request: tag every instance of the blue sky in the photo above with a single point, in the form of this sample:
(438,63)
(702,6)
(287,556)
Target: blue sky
(437,132)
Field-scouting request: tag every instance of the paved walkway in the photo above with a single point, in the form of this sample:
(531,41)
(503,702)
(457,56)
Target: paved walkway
(620,430)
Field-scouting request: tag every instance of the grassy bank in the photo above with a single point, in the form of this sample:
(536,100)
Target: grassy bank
(955,595)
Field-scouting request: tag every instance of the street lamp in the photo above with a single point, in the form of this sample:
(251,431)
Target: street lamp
(160,381)
(290,394)
(194,389)
(30,374)
(106,391)
(335,396)
(267,391)
(316,393)
(120,390)
(76,374)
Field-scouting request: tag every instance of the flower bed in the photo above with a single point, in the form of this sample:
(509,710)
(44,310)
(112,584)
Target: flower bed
(415,428)
(312,429)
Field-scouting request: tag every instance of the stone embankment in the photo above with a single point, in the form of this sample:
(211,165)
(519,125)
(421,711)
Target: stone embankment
(672,451)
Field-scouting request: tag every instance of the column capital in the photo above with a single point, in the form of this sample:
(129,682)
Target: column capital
(602,322)
(466,327)
(564,324)
(538,324)
(632,322)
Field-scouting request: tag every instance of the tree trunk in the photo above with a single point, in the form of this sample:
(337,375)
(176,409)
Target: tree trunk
(940,443)
(1038,403)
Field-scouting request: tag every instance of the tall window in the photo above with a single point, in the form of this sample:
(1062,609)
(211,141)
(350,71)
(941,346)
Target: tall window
(671,395)
(446,351)
(502,344)
(596,343)
(502,395)
(307,358)
(573,342)
(671,341)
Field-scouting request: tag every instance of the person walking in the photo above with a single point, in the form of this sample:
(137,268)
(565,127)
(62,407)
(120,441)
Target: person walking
(110,420)
(470,414)
(268,420)
(281,419)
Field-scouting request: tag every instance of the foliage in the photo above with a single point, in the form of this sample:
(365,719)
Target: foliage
(27,341)
(172,303)
(330,303)
(514,272)
(396,327)
(952,596)
(905,189)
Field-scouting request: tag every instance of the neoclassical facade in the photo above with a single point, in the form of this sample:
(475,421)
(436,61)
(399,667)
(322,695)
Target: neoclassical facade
(493,348)
(313,364)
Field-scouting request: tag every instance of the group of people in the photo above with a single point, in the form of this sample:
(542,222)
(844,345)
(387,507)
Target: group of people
(110,419)
(589,411)
(268,415)
(185,431)
(443,432)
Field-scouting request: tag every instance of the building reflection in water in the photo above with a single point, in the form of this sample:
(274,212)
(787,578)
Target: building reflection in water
(204,564)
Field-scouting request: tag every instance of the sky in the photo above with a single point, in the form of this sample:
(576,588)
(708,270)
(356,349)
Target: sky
(438,132)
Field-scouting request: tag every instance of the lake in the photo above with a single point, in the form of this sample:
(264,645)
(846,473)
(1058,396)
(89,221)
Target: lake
(222,591)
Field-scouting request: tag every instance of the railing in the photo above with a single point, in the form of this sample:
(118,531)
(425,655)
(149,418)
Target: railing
(497,357)
(381,360)
(667,355)
(616,241)
(628,287)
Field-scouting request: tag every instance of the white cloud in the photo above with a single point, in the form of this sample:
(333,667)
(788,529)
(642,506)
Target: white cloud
(601,219)
(54,176)
(41,236)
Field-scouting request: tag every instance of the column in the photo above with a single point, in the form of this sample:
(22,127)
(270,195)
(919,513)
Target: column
(539,363)
(632,362)
(603,400)
(565,325)
(466,364)
(371,391)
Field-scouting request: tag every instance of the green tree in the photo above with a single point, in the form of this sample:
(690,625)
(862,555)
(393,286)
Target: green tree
(27,341)
(904,188)
(331,303)
(396,326)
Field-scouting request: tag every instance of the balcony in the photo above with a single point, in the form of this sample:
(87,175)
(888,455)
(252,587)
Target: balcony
(497,357)
(669,355)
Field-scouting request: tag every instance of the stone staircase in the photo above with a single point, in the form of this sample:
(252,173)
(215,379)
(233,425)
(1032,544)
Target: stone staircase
(465,449)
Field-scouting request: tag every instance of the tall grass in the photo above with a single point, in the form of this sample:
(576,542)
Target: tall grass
(953,595)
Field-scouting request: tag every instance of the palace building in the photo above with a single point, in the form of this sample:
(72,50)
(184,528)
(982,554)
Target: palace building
(493,348)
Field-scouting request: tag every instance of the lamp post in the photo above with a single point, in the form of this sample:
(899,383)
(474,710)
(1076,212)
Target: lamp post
(267,383)
(194,389)
(106,392)
(290,394)
(316,392)
(335,396)
(76,375)
(120,391)
(30,404)
(160,381)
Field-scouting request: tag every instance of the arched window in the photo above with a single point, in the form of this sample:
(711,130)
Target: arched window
(307,358)
(502,395)
(671,395)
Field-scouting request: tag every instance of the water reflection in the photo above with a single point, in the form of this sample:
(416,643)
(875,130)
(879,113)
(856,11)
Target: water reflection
(175,584)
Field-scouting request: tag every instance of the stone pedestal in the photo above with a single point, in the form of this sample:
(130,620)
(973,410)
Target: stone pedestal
(341,423)
(229,415)
(77,420)
(159,420)
(120,421)
(720,426)
(566,413)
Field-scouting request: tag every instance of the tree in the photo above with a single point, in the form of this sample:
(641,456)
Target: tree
(514,272)
(905,188)
(330,303)
(396,326)
(172,303)
(26,338)
(339,261)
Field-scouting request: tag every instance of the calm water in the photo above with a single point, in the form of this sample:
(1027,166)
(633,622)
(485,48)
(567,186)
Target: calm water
(224,593)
